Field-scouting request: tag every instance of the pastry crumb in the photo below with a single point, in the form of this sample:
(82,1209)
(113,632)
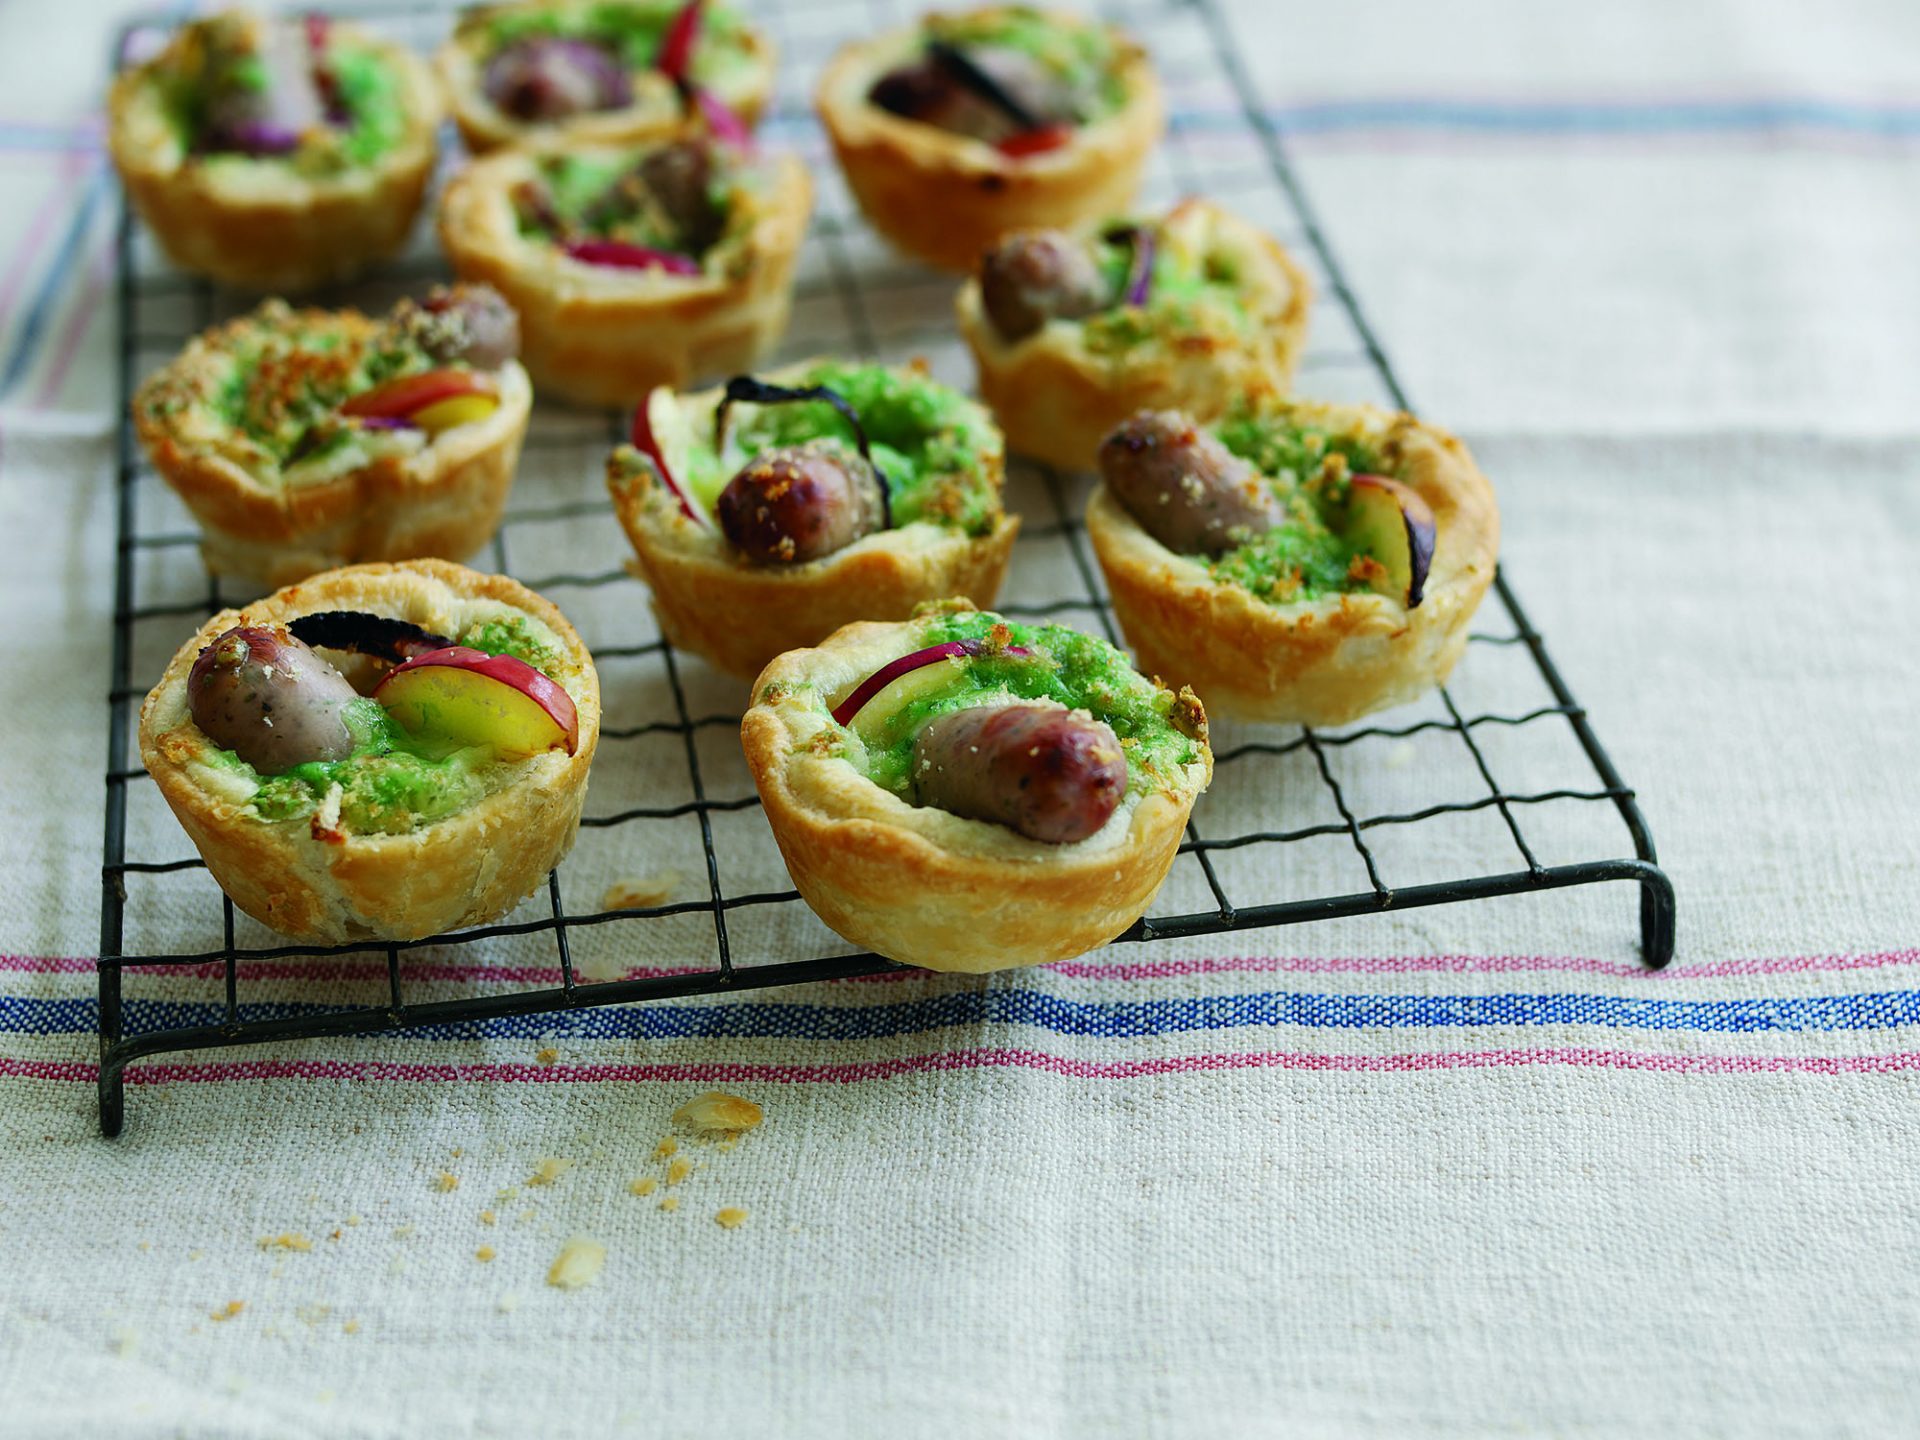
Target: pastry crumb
(507,1303)
(643,1186)
(548,1056)
(550,1169)
(730,1217)
(352,1327)
(484,1254)
(641,894)
(671,1203)
(458,1151)
(286,1241)
(678,1171)
(335,1235)
(126,1340)
(403,1232)
(352,1220)
(718,1113)
(446,1181)
(579,1263)
(228,1310)
(666,1147)
(487,1217)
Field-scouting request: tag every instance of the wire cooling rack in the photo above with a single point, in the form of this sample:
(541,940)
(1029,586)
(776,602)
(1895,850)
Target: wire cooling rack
(1301,824)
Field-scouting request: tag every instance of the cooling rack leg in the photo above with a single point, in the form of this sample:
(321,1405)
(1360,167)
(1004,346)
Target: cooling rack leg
(113,1097)
(1656,918)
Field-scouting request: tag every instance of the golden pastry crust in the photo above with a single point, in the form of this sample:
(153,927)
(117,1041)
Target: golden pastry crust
(599,335)
(924,886)
(739,616)
(322,885)
(656,110)
(260,225)
(946,198)
(1320,662)
(1057,397)
(443,499)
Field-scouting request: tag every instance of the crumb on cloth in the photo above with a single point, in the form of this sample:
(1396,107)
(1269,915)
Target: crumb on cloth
(579,1263)
(718,1113)
(730,1217)
(550,1169)
(642,893)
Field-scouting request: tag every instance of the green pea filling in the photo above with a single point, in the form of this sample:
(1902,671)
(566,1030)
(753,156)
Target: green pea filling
(392,783)
(601,196)
(1309,467)
(1078,670)
(288,373)
(370,92)
(1081,57)
(1188,294)
(929,440)
(633,32)
(366,86)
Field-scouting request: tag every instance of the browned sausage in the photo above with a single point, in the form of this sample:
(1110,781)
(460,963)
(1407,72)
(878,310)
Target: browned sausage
(1036,276)
(680,177)
(470,323)
(1049,774)
(1185,488)
(934,94)
(799,502)
(263,694)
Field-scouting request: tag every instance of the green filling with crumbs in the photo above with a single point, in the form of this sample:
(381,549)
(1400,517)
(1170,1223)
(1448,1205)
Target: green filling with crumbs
(931,442)
(392,783)
(1080,671)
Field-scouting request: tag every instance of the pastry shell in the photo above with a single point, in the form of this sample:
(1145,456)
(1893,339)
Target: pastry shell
(947,198)
(322,885)
(921,885)
(1057,399)
(444,500)
(656,109)
(740,616)
(1322,662)
(603,336)
(259,225)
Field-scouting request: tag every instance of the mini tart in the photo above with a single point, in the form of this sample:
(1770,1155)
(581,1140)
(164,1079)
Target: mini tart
(927,887)
(605,336)
(384,496)
(312,880)
(259,223)
(739,615)
(1059,391)
(945,198)
(743,82)
(1324,661)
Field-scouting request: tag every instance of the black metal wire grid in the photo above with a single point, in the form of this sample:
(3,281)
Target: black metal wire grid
(852,296)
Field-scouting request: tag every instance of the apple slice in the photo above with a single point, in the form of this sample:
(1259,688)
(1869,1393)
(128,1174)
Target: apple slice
(1389,521)
(898,683)
(652,418)
(468,697)
(454,412)
(404,398)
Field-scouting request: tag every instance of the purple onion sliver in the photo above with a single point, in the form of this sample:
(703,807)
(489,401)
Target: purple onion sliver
(1140,270)
(726,126)
(260,137)
(621,255)
(384,422)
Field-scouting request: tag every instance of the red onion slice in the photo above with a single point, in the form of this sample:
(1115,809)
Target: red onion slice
(623,255)
(676,46)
